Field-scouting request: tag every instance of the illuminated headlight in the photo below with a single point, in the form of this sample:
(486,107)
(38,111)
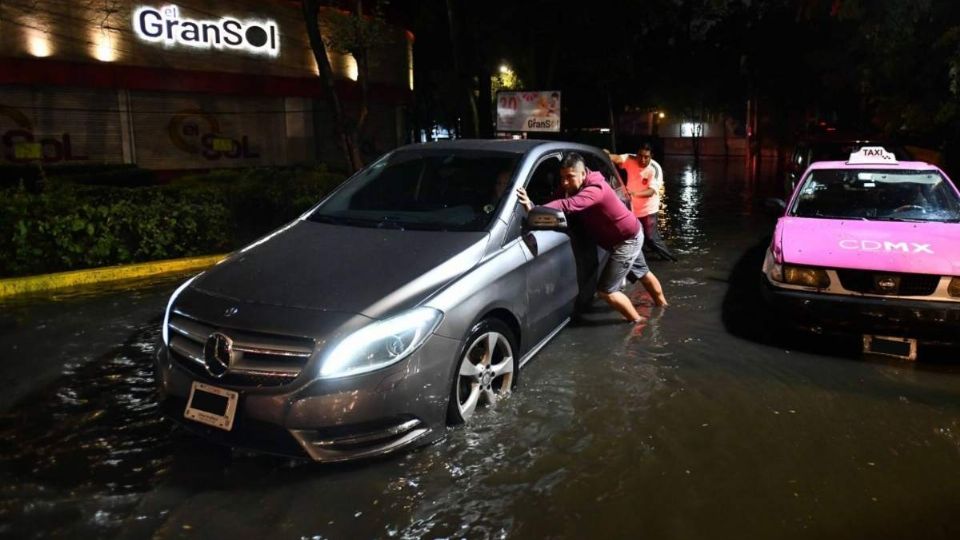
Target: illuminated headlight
(807,277)
(954,288)
(380,344)
(166,313)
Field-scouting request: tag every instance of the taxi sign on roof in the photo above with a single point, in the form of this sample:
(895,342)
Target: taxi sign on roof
(872,155)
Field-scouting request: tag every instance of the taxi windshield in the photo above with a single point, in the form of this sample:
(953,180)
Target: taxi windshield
(881,195)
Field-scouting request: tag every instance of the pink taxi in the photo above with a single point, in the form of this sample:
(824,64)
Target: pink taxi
(870,246)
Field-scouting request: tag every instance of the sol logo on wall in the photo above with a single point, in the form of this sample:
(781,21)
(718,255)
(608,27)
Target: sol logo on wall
(21,145)
(166,26)
(197,132)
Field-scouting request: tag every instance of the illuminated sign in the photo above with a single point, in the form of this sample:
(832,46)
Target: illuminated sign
(167,27)
(528,111)
(872,154)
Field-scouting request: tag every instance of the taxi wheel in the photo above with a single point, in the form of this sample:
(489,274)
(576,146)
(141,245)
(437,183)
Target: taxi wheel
(486,371)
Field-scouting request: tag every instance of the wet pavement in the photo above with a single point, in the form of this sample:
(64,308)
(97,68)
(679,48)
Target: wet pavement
(697,424)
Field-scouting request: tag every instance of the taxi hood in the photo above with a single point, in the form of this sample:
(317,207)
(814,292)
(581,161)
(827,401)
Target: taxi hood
(889,246)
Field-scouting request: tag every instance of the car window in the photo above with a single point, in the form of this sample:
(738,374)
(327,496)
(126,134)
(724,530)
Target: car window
(544,184)
(603,166)
(434,190)
(882,195)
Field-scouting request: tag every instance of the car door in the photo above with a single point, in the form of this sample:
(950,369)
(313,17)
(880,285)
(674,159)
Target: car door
(551,268)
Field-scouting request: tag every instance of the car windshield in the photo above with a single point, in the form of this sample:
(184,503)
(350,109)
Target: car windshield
(881,195)
(423,189)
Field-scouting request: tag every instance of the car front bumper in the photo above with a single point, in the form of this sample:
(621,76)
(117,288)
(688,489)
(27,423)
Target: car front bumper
(926,321)
(329,420)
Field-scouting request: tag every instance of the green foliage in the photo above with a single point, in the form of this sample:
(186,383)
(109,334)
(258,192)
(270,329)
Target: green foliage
(70,226)
(350,33)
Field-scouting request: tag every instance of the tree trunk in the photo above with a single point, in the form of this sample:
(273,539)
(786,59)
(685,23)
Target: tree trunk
(613,121)
(459,68)
(345,136)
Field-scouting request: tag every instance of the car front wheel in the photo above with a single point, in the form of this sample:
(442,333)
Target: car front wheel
(486,371)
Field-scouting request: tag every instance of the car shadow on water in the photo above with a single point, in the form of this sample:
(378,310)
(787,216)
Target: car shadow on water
(90,454)
(746,314)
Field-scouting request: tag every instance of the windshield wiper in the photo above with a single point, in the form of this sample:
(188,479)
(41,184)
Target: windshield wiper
(390,222)
(340,220)
(908,220)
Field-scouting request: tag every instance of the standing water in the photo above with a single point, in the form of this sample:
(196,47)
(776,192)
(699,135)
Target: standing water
(693,424)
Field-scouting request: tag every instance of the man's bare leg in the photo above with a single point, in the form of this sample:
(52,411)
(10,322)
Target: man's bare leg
(622,304)
(652,285)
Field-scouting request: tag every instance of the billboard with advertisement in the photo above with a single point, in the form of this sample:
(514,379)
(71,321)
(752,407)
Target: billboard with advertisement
(528,111)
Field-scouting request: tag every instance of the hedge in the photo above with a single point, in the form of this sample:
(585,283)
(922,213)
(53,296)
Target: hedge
(70,226)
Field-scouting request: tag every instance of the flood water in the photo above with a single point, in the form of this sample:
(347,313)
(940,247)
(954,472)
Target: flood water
(694,425)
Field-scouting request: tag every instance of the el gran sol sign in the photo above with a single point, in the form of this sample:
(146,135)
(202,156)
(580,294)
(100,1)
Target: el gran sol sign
(167,27)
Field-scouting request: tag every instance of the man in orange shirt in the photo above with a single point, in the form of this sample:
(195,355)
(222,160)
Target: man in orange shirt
(644,182)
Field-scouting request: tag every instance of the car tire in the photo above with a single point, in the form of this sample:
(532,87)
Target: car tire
(479,378)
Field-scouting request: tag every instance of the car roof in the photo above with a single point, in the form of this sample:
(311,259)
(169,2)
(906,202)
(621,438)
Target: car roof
(903,165)
(515,146)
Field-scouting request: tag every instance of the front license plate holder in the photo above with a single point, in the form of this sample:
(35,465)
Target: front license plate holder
(897,347)
(212,405)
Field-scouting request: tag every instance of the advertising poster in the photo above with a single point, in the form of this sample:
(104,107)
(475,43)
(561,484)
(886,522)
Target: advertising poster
(528,111)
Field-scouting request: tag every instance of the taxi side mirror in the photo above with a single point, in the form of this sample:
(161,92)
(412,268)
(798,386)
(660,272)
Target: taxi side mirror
(541,218)
(775,206)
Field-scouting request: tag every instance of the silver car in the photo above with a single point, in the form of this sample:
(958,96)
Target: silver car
(406,300)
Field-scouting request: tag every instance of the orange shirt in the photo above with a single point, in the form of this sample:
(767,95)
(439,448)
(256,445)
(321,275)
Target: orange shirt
(639,179)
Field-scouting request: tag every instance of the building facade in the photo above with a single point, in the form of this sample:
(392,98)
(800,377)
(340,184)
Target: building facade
(198,84)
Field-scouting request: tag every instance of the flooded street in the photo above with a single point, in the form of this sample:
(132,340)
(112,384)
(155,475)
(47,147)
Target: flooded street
(697,424)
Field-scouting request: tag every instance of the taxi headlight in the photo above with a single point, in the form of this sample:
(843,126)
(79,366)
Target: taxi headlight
(381,343)
(776,272)
(807,277)
(954,288)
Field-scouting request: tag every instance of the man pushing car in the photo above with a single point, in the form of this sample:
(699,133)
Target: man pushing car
(611,225)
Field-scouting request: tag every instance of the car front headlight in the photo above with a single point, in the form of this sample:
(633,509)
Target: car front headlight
(954,288)
(776,272)
(380,344)
(807,277)
(165,332)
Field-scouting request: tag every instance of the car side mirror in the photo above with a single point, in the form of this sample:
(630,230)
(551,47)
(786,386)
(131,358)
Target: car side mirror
(541,218)
(774,205)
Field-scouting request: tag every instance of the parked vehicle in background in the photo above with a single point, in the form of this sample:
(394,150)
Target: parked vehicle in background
(831,147)
(408,298)
(869,246)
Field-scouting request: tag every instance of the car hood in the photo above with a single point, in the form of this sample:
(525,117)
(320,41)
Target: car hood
(909,247)
(367,271)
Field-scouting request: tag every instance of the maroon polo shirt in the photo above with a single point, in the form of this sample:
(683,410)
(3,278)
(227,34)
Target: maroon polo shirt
(603,215)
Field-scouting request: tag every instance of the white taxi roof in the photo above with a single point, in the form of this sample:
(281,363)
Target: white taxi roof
(872,155)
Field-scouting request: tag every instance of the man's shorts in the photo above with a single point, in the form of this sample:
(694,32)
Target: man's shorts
(626,256)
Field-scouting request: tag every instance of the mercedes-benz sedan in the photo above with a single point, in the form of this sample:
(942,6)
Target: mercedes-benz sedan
(408,299)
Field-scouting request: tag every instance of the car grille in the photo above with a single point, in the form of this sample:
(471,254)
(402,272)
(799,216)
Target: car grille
(870,282)
(259,359)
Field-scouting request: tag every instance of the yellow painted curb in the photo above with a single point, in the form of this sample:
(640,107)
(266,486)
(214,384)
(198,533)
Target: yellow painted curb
(29,284)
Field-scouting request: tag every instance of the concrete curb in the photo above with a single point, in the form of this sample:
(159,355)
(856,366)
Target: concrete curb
(15,286)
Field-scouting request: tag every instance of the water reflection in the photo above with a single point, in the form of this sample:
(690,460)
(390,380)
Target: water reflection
(689,425)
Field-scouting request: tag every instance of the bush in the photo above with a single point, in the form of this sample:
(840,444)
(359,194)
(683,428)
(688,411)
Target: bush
(71,226)
(35,178)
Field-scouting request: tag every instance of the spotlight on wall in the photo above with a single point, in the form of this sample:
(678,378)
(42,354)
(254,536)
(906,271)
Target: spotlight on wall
(103,45)
(38,44)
